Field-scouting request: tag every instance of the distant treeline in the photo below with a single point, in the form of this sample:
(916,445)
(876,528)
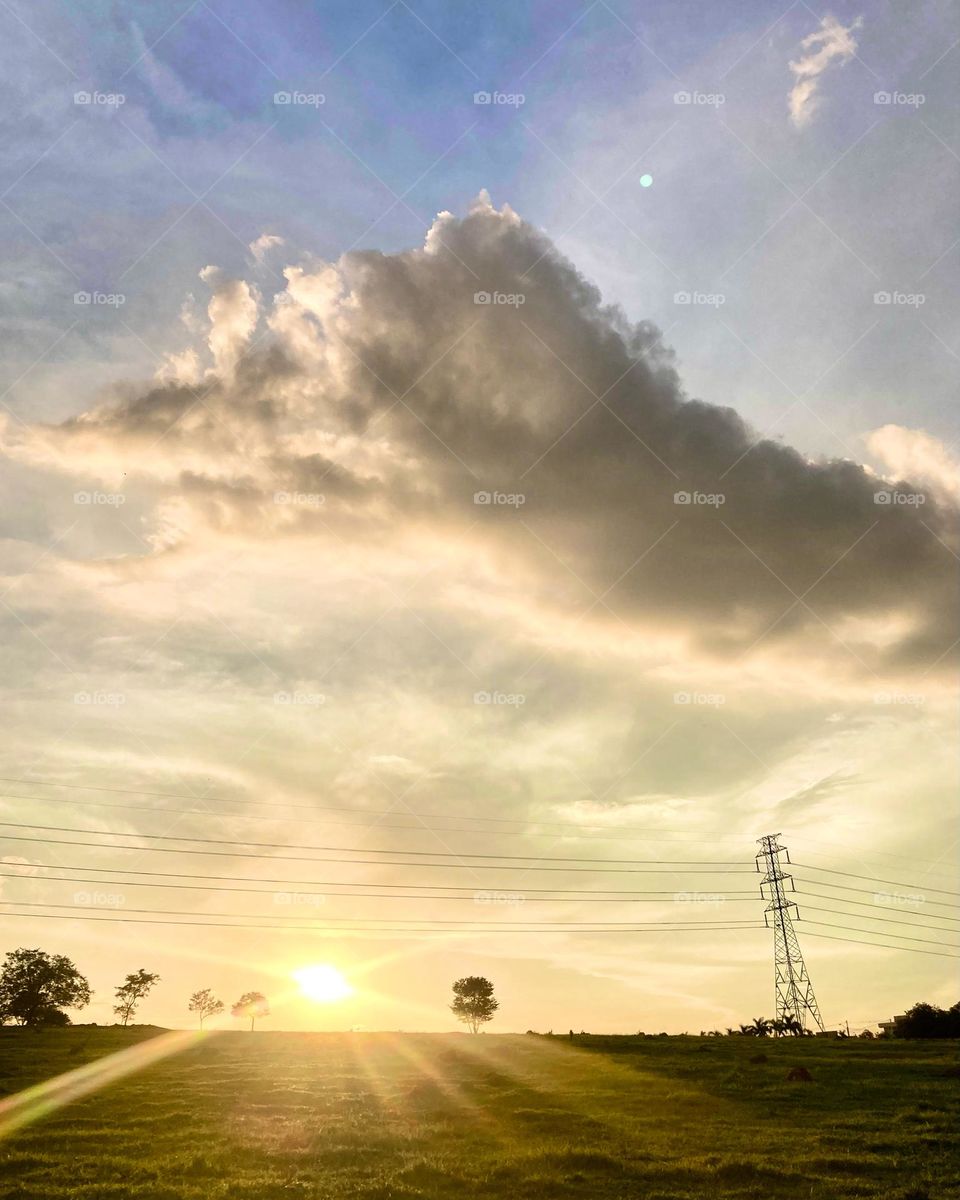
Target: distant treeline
(928,1021)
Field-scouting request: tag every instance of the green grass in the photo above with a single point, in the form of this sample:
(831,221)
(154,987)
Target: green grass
(275,1116)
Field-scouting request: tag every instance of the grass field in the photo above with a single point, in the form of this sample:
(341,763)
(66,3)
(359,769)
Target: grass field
(271,1116)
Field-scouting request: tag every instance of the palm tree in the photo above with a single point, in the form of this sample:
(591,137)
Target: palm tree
(761,1027)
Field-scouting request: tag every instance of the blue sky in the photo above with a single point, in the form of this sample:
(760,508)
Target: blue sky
(399,120)
(763,196)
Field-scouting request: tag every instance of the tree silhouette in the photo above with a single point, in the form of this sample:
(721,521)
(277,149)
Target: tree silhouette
(473,1001)
(36,986)
(205,1004)
(252,1005)
(131,992)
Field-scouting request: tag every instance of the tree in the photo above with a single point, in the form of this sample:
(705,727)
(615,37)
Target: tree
(205,1004)
(252,1005)
(785,1025)
(129,994)
(928,1021)
(473,1001)
(35,987)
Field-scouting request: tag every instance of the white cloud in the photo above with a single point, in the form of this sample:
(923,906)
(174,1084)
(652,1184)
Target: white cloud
(262,245)
(914,455)
(832,42)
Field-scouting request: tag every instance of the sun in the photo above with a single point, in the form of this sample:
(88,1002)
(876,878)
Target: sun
(322,983)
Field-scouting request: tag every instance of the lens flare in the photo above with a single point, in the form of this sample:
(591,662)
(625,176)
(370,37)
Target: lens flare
(322,983)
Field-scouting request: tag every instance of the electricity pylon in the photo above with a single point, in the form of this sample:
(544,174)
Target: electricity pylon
(794,991)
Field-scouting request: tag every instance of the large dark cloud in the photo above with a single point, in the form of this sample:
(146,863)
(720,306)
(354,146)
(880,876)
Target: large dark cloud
(387,388)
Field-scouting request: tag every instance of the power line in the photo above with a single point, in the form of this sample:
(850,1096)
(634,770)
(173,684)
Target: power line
(158,837)
(585,898)
(355,862)
(881,933)
(390,921)
(713,928)
(423,887)
(832,937)
(863,916)
(864,904)
(846,887)
(873,879)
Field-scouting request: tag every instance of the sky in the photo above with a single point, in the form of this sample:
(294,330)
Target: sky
(459,455)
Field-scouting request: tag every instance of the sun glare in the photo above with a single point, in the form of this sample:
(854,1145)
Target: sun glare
(322,983)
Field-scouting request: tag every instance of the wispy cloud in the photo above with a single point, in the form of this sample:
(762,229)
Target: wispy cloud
(832,42)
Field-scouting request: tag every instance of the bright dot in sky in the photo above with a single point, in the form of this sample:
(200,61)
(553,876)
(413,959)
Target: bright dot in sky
(646,180)
(322,983)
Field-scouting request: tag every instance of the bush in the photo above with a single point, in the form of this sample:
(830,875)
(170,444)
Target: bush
(928,1021)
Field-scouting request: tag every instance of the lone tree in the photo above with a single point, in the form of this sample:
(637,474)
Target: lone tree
(252,1005)
(205,1004)
(129,994)
(35,987)
(473,1001)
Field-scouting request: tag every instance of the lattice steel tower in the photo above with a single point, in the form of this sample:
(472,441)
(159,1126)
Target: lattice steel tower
(794,991)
